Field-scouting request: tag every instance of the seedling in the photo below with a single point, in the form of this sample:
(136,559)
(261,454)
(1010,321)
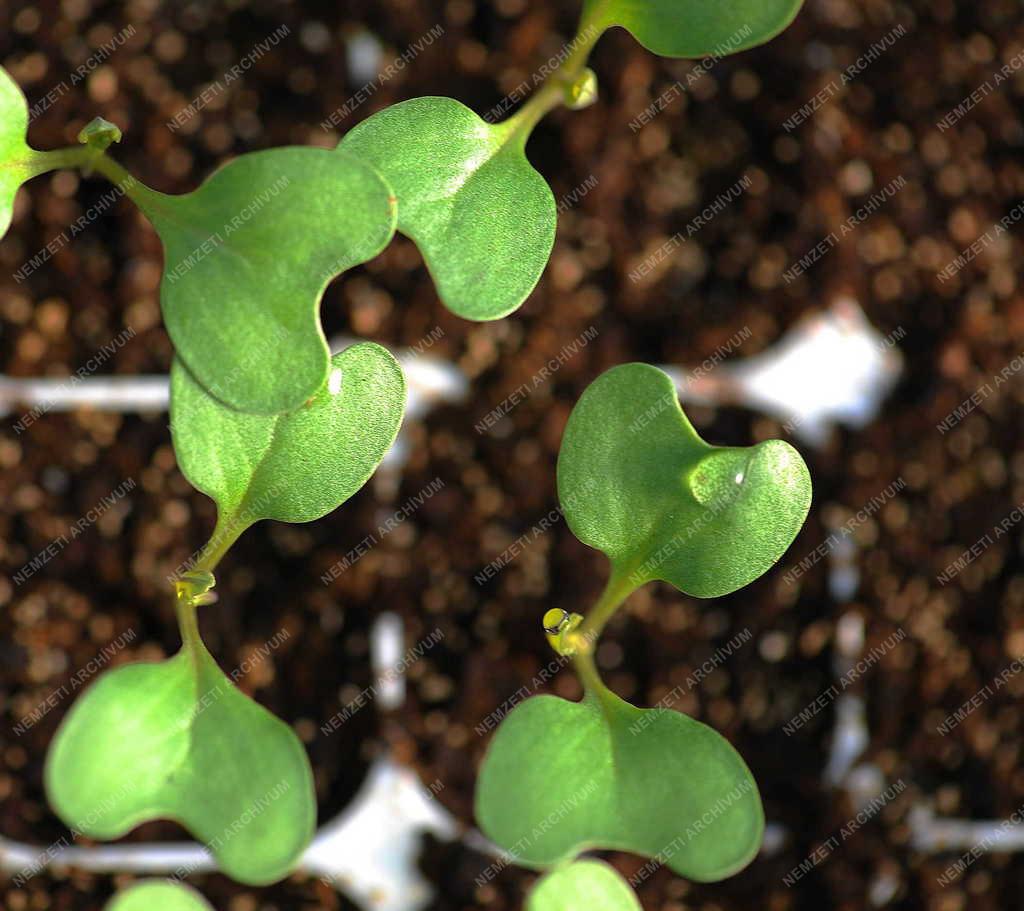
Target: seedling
(662,505)
(248,254)
(177,739)
(270,426)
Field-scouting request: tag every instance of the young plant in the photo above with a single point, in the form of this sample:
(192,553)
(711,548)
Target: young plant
(639,484)
(176,739)
(249,254)
(270,426)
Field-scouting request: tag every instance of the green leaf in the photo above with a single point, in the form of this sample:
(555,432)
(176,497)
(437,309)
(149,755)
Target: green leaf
(158,895)
(298,466)
(480,214)
(247,258)
(694,28)
(637,482)
(562,777)
(587,885)
(176,740)
(15,153)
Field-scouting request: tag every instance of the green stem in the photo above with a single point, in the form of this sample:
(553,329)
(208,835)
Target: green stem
(584,638)
(225,533)
(40,162)
(192,589)
(586,668)
(552,93)
(617,590)
(188,623)
(89,159)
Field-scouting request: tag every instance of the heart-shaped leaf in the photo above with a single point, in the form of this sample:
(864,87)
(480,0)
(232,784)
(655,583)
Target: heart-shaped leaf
(176,740)
(587,885)
(158,895)
(15,154)
(637,482)
(480,214)
(561,777)
(694,28)
(298,466)
(247,258)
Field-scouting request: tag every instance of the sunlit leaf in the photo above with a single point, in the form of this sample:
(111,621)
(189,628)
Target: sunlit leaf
(694,28)
(480,214)
(158,895)
(15,168)
(297,466)
(586,885)
(639,484)
(176,740)
(561,777)
(247,258)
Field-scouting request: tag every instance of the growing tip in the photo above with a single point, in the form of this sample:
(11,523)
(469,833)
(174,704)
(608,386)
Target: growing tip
(559,626)
(582,91)
(98,134)
(195,588)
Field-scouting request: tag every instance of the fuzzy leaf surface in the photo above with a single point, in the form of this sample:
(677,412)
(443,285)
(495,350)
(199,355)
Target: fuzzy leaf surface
(562,777)
(481,215)
(639,484)
(247,258)
(177,740)
(296,466)
(694,28)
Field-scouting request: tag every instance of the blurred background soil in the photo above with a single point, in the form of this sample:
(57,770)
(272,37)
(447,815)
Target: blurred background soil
(499,484)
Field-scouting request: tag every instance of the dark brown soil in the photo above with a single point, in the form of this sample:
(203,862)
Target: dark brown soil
(650,184)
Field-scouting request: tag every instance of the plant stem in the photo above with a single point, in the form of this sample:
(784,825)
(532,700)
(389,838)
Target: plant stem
(225,533)
(193,587)
(618,588)
(586,668)
(74,157)
(552,93)
(89,159)
(188,623)
(584,639)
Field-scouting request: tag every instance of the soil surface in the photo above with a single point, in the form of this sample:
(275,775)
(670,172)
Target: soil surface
(957,335)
